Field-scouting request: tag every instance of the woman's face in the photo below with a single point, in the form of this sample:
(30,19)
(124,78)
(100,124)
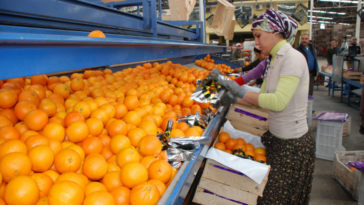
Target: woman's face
(265,41)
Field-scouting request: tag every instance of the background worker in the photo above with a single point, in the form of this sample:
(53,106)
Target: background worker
(311,58)
(333,49)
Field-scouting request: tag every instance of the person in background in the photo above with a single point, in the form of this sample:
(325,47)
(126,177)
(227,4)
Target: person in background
(310,54)
(357,47)
(289,144)
(255,17)
(246,19)
(237,53)
(252,75)
(324,50)
(333,49)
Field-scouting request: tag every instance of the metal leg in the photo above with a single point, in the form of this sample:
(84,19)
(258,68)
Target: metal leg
(329,86)
(348,93)
(342,91)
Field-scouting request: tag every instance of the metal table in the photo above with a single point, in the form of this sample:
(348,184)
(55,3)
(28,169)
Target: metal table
(346,89)
(331,84)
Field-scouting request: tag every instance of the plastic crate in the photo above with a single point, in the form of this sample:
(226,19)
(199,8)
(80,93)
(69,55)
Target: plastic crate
(329,138)
(350,180)
(309,113)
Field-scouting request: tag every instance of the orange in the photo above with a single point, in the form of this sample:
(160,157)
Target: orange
(146,161)
(101,115)
(117,127)
(55,145)
(72,117)
(54,131)
(79,151)
(39,90)
(133,174)
(22,108)
(66,144)
(77,131)
(10,114)
(260,150)
(42,158)
(22,190)
(149,146)
(65,193)
(195,108)
(230,143)
(120,110)
(249,153)
(239,146)
(145,193)
(8,98)
(158,110)
(11,146)
(186,111)
(228,151)
(165,123)
(121,195)
(94,187)
(36,140)
(177,133)
(112,180)
(260,157)
(9,132)
(240,141)
(109,109)
(42,201)
(44,183)
(106,152)
(13,165)
(99,197)
(127,155)
(135,135)
(2,189)
(160,170)
(77,84)
(36,119)
(63,90)
(67,160)
(52,82)
(70,103)
(96,34)
(193,131)
(118,143)
(58,120)
(5,121)
(27,134)
(160,185)
(112,167)
(164,96)
(108,123)
(95,126)
(220,146)
(149,127)
(12,85)
(95,167)
(57,98)
(83,108)
(73,177)
(187,102)
(39,79)
(92,145)
(223,137)
(249,147)
(182,126)
(131,102)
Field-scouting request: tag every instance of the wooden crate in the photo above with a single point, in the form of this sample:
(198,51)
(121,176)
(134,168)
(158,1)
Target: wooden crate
(221,194)
(353,75)
(350,180)
(248,123)
(223,18)
(181,9)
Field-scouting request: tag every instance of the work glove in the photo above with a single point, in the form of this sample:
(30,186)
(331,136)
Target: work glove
(233,87)
(225,100)
(214,74)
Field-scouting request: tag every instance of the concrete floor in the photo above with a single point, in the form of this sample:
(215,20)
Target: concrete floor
(326,190)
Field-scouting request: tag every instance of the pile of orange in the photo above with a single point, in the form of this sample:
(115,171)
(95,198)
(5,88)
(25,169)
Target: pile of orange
(228,144)
(91,138)
(208,63)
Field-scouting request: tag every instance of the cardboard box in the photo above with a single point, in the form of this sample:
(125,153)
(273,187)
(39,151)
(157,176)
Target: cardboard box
(353,75)
(249,119)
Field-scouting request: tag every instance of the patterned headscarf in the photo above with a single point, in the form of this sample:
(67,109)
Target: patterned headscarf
(276,22)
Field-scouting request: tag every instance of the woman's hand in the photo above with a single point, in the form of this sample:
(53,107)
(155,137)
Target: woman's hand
(252,83)
(233,87)
(226,99)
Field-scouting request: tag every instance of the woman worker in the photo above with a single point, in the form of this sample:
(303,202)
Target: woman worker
(290,146)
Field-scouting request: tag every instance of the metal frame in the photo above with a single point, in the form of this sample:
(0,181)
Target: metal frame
(346,89)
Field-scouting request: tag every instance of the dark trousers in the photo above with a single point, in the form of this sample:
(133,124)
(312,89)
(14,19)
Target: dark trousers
(312,82)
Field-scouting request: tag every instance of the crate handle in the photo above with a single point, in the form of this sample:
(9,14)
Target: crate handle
(350,154)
